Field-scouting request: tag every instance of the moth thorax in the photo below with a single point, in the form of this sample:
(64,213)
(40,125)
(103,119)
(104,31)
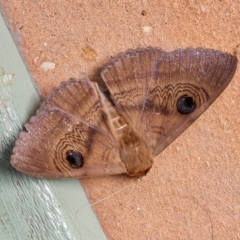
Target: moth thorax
(135,154)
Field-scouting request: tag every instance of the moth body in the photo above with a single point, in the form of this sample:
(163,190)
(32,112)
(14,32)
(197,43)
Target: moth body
(133,151)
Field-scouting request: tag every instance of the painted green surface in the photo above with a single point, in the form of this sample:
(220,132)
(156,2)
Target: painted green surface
(33,208)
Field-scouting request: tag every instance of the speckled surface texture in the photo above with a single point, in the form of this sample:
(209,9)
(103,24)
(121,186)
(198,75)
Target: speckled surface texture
(193,189)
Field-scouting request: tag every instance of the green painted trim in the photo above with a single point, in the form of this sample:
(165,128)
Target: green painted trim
(33,208)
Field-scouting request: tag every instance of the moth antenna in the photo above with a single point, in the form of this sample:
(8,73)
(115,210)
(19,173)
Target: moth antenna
(109,196)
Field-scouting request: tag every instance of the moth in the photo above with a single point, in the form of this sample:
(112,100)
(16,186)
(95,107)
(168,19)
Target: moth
(79,131)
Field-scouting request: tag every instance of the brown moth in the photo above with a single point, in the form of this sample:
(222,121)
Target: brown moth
(154,96)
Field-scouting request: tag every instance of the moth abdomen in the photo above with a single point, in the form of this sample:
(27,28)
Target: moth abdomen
(135,154)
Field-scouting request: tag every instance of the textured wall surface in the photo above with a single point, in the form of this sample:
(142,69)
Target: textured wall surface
(193,189)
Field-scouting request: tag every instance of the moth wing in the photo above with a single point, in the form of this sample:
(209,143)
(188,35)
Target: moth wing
(79,98)
(61,126)
(201,74)
(127,77)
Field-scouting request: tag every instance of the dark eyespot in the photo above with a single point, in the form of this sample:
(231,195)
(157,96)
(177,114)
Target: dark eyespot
(185,105)
(75,159)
